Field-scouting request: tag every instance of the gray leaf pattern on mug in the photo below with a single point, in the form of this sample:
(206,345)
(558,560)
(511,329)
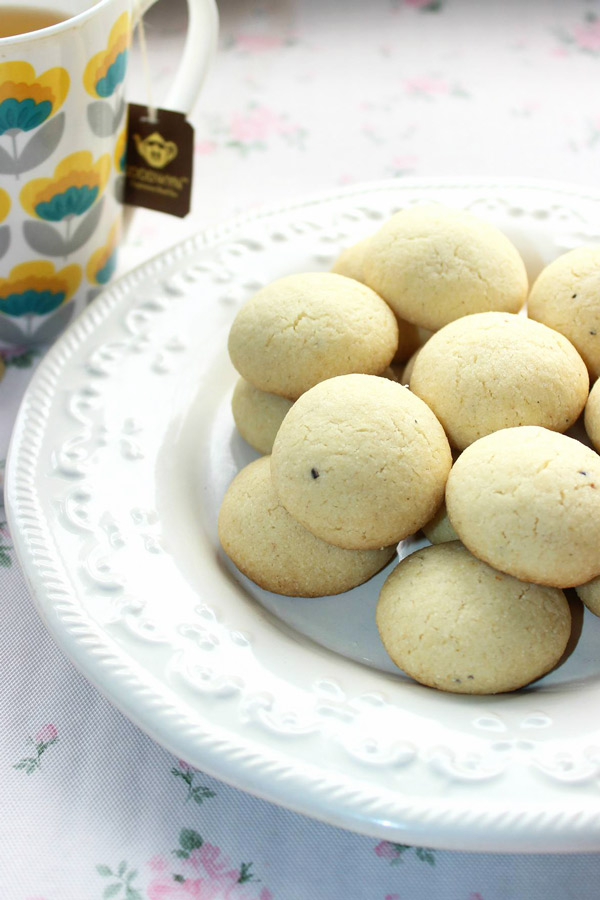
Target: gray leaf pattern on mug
(119,188)
(44,239)
(103,121)
(119,111)
(86,228)
(4,239)
(92,294)
(54,324)
(42,145)
(101,118)
(8,165)
(9,332)
(48,241)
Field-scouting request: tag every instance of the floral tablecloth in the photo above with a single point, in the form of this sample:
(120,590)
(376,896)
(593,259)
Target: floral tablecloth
(304,96)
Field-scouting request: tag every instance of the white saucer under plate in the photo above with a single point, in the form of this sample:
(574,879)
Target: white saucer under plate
(123,448)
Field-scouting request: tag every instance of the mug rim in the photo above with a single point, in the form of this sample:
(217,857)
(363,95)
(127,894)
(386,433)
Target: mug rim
(49,30)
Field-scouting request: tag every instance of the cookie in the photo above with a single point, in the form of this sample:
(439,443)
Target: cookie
(434,265)
(360,461)
(350,263)
(439,530)
(302,329)
(504,370)
(257,414)
(591,418)
(566,296)
(452,622)
(527,501)
(589,594)
(407,369)
(276,552)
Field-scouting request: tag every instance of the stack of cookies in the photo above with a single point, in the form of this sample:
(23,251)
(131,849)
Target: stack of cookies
(357,461)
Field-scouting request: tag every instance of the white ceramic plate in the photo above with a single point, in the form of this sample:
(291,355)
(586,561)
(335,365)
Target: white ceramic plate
(122,451)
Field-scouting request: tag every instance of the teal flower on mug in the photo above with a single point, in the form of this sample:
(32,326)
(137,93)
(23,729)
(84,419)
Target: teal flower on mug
(115,74)
(107,271)
(120,155)
(106,70)
(103,261)
(76,185)
(36,288)
(27,99)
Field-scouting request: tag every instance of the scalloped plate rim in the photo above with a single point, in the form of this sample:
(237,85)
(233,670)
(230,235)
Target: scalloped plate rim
(539,829)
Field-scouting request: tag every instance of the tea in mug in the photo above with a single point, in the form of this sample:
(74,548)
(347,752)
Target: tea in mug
(18,19)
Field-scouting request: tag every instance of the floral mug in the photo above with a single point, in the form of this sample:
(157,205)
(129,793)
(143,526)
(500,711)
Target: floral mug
(62,155)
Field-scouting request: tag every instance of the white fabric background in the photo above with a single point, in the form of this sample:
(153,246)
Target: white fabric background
(305,95)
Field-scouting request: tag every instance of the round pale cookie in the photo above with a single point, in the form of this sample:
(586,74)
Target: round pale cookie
(527,501)
(305,328)
(276,552)
(360,461)
(497,370)
(589,594)
(439,530)
(591,418)
(566,296)
(452,622)
(434,265)
(257,414)
(408,369)
(350,263)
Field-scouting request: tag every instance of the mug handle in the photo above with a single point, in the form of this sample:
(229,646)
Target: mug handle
(198,53)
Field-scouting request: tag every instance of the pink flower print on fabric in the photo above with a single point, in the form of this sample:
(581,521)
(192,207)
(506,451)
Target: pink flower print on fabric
(204,148)
(395,853)
(386,850)
(425,85)
(46,734)
(204,875)
(259,43)
(45,737)
(587,36)
(258,124)
(253,128)
(429,5)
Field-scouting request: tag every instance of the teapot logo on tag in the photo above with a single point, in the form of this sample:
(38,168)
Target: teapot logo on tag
(155,150)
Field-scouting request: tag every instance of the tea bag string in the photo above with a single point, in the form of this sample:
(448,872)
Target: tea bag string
(152,111)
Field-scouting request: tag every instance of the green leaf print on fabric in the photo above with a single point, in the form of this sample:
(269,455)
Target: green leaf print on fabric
(395,853)
(196,792)
(122,887)
(246,874)
(200,870)
(19,358)
(46,736)
(188,840)
(5,548)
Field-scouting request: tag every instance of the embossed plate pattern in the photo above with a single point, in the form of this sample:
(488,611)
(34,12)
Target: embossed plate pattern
(122,450)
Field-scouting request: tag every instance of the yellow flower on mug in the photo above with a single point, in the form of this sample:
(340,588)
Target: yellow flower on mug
(27,99)
(121,151)
(4,205)
(103,261)
(77,183)
(36,288)
(106,70)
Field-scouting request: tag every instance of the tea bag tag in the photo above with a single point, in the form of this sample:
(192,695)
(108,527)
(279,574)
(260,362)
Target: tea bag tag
(160,153)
